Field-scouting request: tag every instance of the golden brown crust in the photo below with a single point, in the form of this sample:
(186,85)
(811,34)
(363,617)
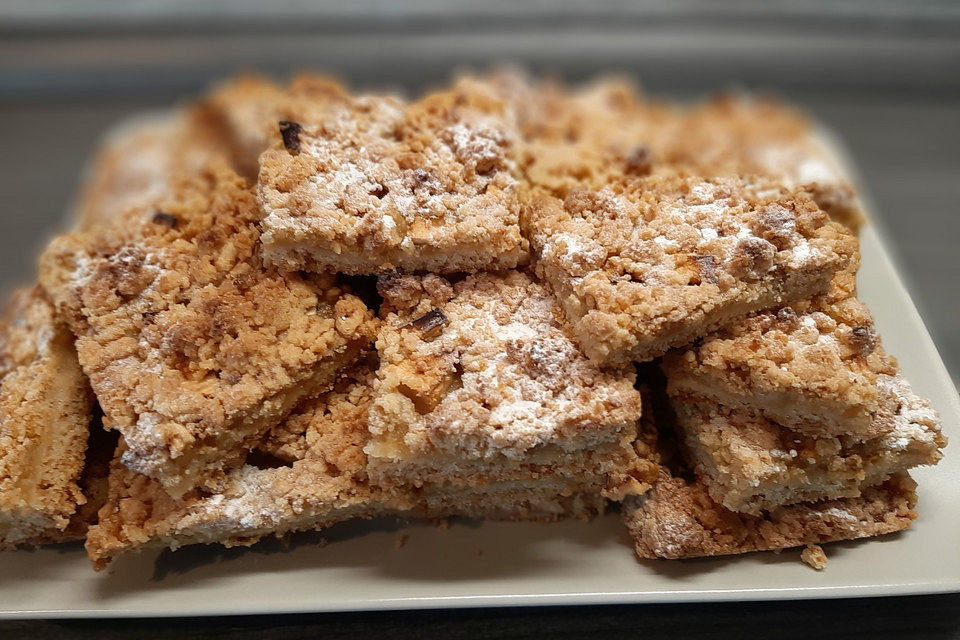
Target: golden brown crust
(45,406)
(644,265)
(374,183)
(678,519)
(749,464)
(193,348)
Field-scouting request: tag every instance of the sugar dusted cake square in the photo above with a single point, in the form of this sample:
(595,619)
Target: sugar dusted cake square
(679,519)
(193,348)
(812,367)
(749,464)
(642,266)
(374,183)
(480,387)
(317,480)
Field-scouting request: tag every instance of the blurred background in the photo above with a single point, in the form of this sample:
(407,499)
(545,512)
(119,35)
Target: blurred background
(883,74)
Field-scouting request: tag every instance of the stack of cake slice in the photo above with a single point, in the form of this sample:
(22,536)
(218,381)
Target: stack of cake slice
(787,416)
(297,305)
(481,396)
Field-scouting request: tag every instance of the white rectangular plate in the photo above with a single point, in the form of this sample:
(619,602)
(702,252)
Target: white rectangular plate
(378,565)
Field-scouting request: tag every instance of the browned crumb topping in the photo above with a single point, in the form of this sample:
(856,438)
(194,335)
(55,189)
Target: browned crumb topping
(812,366)
(290,132)
(324,481)
(580,139)
(501,376)
(749,464)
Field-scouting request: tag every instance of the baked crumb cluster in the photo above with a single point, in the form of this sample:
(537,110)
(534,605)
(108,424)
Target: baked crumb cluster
(296,305)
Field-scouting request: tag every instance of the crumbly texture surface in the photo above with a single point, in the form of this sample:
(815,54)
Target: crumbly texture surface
(142,162)
(678,519)
(749,464)
(193,348)
(644,265)
(45,406)
(496,390)
(374,184)
(811,367)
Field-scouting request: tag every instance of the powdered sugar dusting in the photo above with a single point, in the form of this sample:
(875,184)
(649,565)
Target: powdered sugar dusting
(915,423)
(390,180)
(521,381)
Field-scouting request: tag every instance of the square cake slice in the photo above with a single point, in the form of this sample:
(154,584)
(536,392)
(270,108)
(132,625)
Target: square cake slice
(642,266)
(679,519)
(373,183)
(480,389)
(193,348)
(45,407)
(811,367)
(140,162)
(750,464)
(579,138)
(740,134)
(321,481)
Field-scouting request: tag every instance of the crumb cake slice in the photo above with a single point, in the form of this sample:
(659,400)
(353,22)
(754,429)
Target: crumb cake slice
(374,183)
(479,388)
(45,406)
(192,347)
(750,464)
(244,113)
(579,138)
(811,367)
(141,161)
(741,134)
(642,266)
(323,483)
(678,519)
